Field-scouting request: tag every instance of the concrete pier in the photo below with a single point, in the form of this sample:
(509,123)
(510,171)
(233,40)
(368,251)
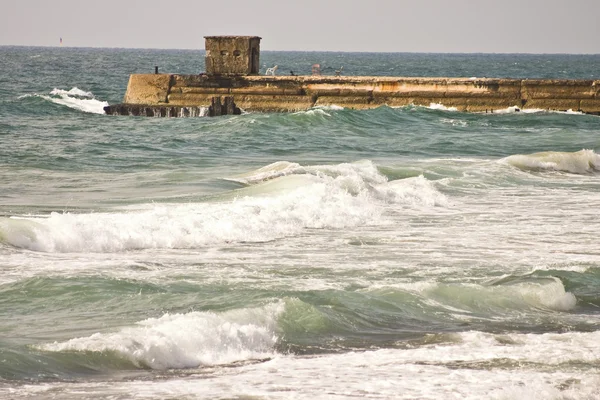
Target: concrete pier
(295,93)
(232,71)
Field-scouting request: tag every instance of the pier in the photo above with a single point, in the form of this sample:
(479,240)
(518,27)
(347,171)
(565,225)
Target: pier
(232,72)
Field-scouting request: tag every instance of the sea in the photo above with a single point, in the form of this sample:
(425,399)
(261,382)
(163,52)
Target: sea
(391,253)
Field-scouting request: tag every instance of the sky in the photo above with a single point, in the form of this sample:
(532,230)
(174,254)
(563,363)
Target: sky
(430,26)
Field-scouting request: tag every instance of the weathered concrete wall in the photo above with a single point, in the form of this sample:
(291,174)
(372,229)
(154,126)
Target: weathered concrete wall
(163,110)
(232,55)
(148,89)
(295,93)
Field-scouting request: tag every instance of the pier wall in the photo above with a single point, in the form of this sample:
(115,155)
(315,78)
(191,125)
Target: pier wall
(295,93)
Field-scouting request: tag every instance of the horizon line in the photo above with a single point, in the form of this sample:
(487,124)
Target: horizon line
(296,51)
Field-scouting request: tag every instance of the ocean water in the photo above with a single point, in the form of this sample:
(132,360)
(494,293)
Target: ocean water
(391,253)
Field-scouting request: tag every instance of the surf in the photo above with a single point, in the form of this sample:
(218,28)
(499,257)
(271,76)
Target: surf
(186,340)
(280,200)
(580,162)
(74,98)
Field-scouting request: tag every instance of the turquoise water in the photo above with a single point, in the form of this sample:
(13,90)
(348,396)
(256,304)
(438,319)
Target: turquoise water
(413,252)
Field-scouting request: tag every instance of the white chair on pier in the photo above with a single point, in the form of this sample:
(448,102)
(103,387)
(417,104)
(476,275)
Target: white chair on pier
(271,71)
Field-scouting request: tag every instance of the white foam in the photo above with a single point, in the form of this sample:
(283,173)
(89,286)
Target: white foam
(363,170)
(271,171)
(432,106)
(548,348)
(439,106)
(320,110)
(72,92)
(248,219)
(74,98)
(188,340)
(581,162)
(313,111)
(516,109)
(329,196)
(469,365)
(332,107)
(573,112)
(86,105)
(455,122)
(416,191)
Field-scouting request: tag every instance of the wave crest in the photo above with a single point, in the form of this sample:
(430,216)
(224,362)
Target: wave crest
(549,294)
(364,170)
(580,162)
(74,98)
(283,199)
(187,340)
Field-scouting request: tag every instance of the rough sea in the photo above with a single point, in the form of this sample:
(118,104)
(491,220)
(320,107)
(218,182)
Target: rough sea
(392,253)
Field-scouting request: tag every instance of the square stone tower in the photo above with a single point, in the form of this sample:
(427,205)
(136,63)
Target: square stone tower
(232,55)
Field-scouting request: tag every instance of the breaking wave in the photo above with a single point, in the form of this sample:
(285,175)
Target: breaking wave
(580,162)
(74,98)
(282,200)
(474,302)
(187,340)
(439,106)
(549,294)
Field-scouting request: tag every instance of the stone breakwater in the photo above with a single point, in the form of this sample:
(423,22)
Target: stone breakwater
(296,93)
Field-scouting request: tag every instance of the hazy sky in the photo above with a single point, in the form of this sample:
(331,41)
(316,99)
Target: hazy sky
(506,26)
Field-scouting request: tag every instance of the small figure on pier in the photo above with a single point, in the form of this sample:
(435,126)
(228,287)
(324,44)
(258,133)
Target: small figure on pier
(271,71)
(316,69)
(338,72)
(292,73)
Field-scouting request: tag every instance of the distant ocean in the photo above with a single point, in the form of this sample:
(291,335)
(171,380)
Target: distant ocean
(392,253)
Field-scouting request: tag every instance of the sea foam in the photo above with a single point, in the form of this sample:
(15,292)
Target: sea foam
(187,340)
(283,200)
(74,98)
(364,170)
(73,92)
(439,106)
(472,365)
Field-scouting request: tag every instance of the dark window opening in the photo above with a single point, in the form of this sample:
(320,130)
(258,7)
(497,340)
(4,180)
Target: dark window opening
(254,62)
